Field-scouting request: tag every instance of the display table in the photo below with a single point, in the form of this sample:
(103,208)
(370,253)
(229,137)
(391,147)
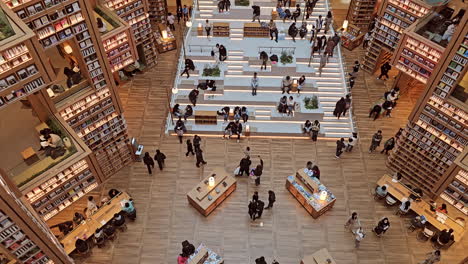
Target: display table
(438,220)
(352,37)
(206,198)
(29,156)
(255,30)
(204,255)
(307,190)
(220,29)
(320,257)
(206,117)
(87,228)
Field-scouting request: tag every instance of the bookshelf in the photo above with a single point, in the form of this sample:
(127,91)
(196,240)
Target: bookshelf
(135,12)
(165,44)
(255,30)
(158,11)
(352,37)
(220,29)
(360,12)
(456,193)
(119,50)
(394,16)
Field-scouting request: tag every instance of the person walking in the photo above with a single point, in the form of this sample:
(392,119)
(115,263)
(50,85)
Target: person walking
(255,197)
(260,206)
(188,112)
(359,236)
(189,148)
(186,71)
(340,145)
(149,162)
(244,166)
(199,155)
(179,14)
(375,111)
(330,47)
(273,30)
(388,145)
(180,129)
(286,83)
(227,5)
(303,30)
(160,157)
(258,171)
(328,21)
(300,84)
(315,130)
(384,69)
(367,38)
(292,31)
(319,23)
(353,223)
(264,58)
(171,21)
(376,139)
(252,210)
(193,95)
(339,107)
(254,84)
(222,53)
(347,104)
(323,62)
(196,142)
(256,13)
(382,226)
(208,29)
(432,257)
(356,68)
(351,142)
(271,199)
(185,12)
(291,106)
(236,129)
(351,82)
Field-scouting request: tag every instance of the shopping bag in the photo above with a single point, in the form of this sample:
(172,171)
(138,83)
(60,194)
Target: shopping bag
(236,171)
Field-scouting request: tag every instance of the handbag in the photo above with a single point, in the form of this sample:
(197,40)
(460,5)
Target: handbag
(212,53)
(236,171)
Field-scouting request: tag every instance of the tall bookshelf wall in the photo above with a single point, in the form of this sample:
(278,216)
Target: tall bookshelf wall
(394,17)
(135,13)
(158,11)
(360,13)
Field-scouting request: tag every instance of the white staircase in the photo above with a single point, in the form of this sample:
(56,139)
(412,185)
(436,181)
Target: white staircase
(236,33)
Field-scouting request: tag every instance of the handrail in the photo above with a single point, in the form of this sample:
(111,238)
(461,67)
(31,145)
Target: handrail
(209,48)
(260,49)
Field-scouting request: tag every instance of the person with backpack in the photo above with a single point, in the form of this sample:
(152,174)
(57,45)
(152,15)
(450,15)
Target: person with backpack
(384,69)
(271,199)
(315,130)
(292,31)
(160,158)
(256,13)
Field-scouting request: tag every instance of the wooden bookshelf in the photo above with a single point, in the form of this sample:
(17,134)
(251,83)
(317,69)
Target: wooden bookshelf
(255,30)
(220,29)
(158,11)
(165,44)
(352,37)
(119,50)
(360,13)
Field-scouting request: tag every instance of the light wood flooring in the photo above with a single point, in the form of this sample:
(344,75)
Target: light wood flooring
(165,218)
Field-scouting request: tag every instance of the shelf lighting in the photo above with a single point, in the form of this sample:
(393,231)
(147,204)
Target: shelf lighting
(175,90)
(323,195)
(189,24)
(164,34)
(345,24)
(68,49)
(211,181)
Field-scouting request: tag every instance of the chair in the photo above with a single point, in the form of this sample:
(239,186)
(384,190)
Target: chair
(100,242)
(425,234)
(415,224)
(82,248)
(401,212)
(390,200)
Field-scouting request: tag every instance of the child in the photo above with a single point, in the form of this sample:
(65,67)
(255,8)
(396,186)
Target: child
(351,143)
(189,148)
(359,237)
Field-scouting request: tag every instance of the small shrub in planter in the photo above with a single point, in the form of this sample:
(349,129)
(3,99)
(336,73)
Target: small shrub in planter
(286,58)
(211,71)
(242,2)
(311,102)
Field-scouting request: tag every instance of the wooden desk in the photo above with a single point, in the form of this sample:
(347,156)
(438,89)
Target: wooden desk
(310,201)
(29,156)
(206,117)
(86,229)
(204,255)
(399,191)
(198,196)
(319,257)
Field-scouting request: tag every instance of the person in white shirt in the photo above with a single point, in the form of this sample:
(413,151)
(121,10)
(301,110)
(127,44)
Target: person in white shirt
(359,236)
(449,32)
(254,84)
(170,21)
(367,38)
(291,105)
(351,142)
(405,206)
(91,205)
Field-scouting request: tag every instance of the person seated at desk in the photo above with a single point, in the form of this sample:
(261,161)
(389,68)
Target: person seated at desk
(64,227)
(444,236)
(442,209)
(99,237)
(309,165)
(316,172)
(118,220)
(419,221)
(381,190)
(397,177)
(113,192)
(130,210)
(91,205)
(109,231)
(211,85)
(78,218)
(405,206)
(81,245)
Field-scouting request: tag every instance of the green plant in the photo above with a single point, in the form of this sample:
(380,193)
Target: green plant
(242,2)
(286,58)
(311,102)
(6,30)
(211,71)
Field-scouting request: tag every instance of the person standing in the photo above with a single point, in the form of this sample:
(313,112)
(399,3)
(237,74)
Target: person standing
(388,145)
(367,38)
(271,199)
(315,130)
(171,21)
(359,236)
(254,84)
(355,71)
(252,210)
(258,171)
(208,29)
(199,155)
(432,257)
(292,31)
(227,5)
(330,47)
(319,23)
(340,145)
(264,58)
(353,223)
(273,30)
(286,83)
(180,129)
(384,69)
(351,142)
(160,157)
(347,104)
(256,13)
(179,14)
(351,82)
(189,148)
(149,162)
(260,206)
(313,38)
(244,166)
(339,107)
(323,62)
(328,21)
(376,139)
(222,53)
(185,11)
(255,197)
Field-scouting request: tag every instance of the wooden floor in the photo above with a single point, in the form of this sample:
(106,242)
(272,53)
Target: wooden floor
(286,232)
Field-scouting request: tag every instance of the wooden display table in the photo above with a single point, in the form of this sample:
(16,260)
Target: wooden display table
(87,228)
(307,191)
(320,257)
(400,191)
(205,198)
(204,255)
(206,117)
(29,156)
(220,29)
(352,37)
(255,30)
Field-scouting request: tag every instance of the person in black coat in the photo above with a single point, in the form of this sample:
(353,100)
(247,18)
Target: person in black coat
(340,145)
(188,112)
(339,107)
(199,155)
(271,199)
(256,13)
(193,96)
(258,171)
(375,111)
(244,166)
(296,13)
(222,53)
(149,162)
(319,44)
(384,69)
(292,31)
(236,129)
(196,142)
(260,260)
(252,210)
(160,157)
(260,205)
(189,148)
(255,197)
(303,30)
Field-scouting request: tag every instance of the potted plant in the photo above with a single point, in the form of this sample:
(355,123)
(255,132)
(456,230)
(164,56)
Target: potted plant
(213,71)
(311,102)
(286,58)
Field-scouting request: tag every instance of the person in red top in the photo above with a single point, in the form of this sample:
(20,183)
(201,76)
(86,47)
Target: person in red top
(442,209)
